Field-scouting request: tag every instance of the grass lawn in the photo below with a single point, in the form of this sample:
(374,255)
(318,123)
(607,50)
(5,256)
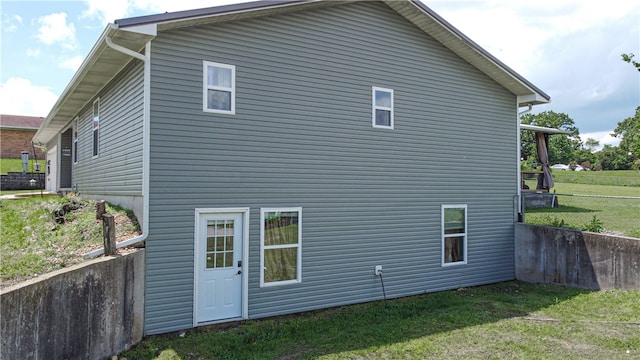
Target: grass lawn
(511,320)
(40,235)
(615,178)
(15,165)
(617,215)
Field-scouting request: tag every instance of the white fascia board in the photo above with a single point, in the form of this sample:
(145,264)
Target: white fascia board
(146,29)
(532,99)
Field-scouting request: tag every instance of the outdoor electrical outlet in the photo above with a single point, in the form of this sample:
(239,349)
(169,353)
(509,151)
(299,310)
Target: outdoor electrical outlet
(378,270)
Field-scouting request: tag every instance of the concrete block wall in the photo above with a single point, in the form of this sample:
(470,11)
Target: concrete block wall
(20,181)
(576,258)
(88,311)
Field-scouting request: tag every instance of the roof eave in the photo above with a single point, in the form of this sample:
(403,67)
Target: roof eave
(98,68)
(231,12)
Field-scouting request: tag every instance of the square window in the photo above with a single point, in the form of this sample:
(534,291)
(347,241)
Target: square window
(382,107)
(219,88)
(454,234)
(280,246)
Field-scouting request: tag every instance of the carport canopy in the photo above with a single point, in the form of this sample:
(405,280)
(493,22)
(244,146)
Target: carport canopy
(545,179)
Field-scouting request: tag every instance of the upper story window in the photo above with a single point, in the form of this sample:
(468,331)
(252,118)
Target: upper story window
(454,234)
(280,246)
(382,107)
(219,90)
(96,127)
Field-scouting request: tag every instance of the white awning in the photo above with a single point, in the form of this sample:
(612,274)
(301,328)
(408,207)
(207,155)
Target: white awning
(543,130)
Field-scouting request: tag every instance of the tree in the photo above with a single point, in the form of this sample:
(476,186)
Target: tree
(613,158)
(561,147)
(591,144)
(629,58)
(628,130)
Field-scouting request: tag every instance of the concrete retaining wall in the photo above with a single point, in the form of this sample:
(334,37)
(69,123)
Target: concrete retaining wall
(575,258)
(89,311)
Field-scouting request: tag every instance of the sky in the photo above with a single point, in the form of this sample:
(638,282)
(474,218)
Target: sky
(570,49)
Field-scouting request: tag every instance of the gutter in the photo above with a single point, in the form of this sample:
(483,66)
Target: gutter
(145,144)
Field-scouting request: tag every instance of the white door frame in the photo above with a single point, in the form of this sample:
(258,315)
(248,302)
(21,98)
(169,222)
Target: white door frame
(51,169)
(245,259)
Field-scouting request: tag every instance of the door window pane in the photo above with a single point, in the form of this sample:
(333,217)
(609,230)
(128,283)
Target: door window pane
(220,239)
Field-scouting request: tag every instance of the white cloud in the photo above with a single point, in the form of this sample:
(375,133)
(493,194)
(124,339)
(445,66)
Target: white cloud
(19,97)
(54,29)
(11,23)
(72,63)
(570,49)
(107,11)
(33,52)
(603,137)
(161,6)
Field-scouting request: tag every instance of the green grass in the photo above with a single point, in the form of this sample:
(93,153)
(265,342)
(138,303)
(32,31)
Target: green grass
(17,192)
(618,215)
(615,178)
(15,165)
(32,242)
(511,320)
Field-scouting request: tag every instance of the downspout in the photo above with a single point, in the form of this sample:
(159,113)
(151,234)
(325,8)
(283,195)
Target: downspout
(519,157)
(146,120)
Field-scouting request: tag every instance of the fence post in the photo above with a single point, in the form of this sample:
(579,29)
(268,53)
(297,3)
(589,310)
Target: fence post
(101,209)
(109,234)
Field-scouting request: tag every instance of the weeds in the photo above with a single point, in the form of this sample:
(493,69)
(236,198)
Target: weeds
(40,235)
(595,225)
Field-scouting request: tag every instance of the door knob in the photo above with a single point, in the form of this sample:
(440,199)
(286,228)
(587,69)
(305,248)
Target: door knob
(239,272)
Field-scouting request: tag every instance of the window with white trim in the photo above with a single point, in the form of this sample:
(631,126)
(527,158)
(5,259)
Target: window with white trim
(75,141)
(454,234)
(219,88)
(280,246)
(96,127)
(382,107)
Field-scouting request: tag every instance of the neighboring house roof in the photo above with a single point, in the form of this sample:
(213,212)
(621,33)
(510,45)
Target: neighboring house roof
(104,62)
(20,122)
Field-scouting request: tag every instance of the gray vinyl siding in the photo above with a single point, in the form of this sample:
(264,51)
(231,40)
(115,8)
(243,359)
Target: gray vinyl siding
(117,170)
(302,136)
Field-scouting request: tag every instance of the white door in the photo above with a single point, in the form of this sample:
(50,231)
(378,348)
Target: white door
(51,169)
(219,242)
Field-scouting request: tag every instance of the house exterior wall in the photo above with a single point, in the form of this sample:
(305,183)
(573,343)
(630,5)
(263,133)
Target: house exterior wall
(302,136)
(15,141)
(117,170)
